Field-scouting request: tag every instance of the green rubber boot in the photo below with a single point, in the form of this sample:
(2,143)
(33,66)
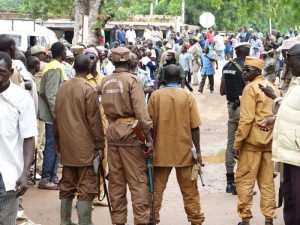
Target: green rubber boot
(84,210)
(66,212)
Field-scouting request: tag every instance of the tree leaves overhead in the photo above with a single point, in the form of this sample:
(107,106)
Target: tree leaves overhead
(230,14)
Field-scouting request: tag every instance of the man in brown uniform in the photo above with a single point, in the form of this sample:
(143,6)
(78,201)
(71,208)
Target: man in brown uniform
(124,102)
(253,146)
(78,132)
(176,124)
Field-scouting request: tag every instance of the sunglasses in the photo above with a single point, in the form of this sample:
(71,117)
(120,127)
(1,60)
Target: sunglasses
(248,69)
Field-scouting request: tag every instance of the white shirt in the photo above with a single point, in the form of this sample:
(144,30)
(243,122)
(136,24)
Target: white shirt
(219,42)
(17,121)
(130,36)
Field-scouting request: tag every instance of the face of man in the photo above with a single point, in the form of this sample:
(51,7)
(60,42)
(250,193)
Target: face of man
(294,64)
(170,57)
(38,67)
(42,56)
(183,49)
(250,73)
(150,46)
(5,73)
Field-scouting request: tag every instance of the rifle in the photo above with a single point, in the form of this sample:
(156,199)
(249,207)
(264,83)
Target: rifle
(139,133)
(198,165)
(98,167)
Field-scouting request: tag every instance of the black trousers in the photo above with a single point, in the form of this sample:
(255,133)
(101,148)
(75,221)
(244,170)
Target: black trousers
(211,82)
(187,74)
(291,194)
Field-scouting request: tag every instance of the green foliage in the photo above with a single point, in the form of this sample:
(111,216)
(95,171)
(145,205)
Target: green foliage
(11,4)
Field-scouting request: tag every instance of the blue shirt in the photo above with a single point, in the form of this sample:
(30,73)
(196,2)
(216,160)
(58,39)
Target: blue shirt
(207,65)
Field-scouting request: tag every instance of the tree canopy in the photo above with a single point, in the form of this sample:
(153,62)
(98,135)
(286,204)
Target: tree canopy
(230,14)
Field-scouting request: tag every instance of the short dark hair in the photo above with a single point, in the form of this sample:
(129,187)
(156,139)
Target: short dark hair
(57,48)
(4,56)
(82,63)
(6,41)
(172,72)
(32,62)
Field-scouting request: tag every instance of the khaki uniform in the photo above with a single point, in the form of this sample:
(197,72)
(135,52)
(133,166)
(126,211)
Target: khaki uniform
(94,82)
(195,50)
(78,130)
(174,113)
(123,101)
(255,152)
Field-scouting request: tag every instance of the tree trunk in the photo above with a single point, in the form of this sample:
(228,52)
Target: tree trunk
(80,10)
(93,18)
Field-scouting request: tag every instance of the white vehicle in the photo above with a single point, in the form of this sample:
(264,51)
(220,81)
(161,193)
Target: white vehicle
(27,33)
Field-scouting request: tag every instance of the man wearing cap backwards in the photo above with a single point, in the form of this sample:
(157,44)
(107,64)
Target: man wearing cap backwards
(124,102)
(285,146)
(175,118)
(195,50)
(79,138)
(53,76)
(232,85)
(168,46)
(253,146)
(271,67)
(170,59)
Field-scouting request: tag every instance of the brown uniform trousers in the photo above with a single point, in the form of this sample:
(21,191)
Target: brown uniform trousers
(128,167)
(82,181)
(254,165)
(189,191)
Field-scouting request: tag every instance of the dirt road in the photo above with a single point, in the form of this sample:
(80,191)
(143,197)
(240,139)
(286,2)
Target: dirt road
(42,206)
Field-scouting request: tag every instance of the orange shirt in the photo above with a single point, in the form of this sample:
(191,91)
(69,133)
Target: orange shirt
(174,113)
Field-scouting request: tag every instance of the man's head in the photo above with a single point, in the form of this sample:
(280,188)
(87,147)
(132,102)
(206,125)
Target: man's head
(92,53)
(180,41)
(253,67)
(170,56)
(134,61)
(33,64)
(293,59)
(159,44)
(8,45)
(5,69)
(242,49)
(82,65)
(172,73)
(20,56)
(41,52)
(149,43)
(121,57)
(58,51)
(130,27)
(183,49)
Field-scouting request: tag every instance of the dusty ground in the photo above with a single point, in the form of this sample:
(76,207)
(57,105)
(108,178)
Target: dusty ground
(219,207)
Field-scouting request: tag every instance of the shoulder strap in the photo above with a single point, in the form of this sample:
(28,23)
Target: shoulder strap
(237,66)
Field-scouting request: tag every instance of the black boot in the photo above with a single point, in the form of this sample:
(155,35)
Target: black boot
(244,223)
(230,188)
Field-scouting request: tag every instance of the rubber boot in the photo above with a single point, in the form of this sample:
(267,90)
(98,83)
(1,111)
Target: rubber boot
(230,184)
(66,212)
(84,210)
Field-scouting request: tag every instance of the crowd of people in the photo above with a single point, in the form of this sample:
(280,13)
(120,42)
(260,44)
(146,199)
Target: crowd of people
(77,107)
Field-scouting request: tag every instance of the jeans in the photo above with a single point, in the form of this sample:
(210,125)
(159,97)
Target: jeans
(8,205)
(233,122)
(51,159)
(221,55)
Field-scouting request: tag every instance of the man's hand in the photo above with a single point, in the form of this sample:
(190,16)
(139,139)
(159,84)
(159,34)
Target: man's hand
(269,91)
(199,159)
(21,185)
(149,152)
(237,154)
(267,124)
(57,149)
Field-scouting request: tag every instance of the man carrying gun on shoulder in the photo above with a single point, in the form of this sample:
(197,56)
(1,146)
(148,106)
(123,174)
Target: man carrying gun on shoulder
(124,102)
(176,124)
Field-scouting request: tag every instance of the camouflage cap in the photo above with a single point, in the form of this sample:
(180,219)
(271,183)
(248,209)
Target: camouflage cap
(120,54)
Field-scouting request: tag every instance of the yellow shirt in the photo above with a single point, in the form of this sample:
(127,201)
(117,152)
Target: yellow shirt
(174,113)
(255,106)
(94,82)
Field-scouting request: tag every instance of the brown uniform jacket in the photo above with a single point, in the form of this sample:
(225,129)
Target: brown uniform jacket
(174,113)
(123,97)
(255,106)
(77,123)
